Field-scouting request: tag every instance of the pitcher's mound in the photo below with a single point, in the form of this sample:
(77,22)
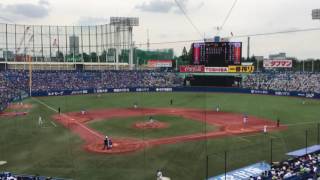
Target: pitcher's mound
(151,125)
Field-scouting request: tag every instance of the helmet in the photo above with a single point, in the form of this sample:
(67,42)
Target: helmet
(106,137)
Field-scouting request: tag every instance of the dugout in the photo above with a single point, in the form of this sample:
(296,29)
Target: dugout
(213,80)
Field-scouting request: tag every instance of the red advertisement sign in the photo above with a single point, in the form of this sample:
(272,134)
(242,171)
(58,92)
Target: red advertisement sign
(192,69)
(277,63)
(196,53)
(216,69)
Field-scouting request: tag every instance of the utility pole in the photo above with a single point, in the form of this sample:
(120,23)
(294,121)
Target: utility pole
(148,40)
(248,49)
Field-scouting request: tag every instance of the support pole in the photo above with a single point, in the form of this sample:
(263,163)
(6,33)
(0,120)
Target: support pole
(117,44)
(225,165)
(41,36)
(131,49)
(207,167)
(271,149)
(318,138)
(30,75)
(306,141)
(6,54)
(248,49)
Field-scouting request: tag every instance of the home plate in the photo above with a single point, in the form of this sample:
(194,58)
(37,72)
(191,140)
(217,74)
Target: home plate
(3,163)
(115,145)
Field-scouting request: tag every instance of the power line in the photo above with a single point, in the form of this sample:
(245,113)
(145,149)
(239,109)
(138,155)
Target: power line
(188,18)
(239,36)
(278,32)
(6,19)
(228,15)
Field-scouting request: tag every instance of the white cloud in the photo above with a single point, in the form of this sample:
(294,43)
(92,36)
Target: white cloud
(18,11)
(92,20)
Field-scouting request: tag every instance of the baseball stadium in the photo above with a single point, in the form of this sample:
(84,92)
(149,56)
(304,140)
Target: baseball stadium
(80,102)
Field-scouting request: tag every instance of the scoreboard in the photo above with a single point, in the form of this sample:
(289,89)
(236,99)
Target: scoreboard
(217,54)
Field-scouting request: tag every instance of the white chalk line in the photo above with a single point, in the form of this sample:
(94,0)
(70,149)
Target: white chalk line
(54,124)
(243,139)
(76,122)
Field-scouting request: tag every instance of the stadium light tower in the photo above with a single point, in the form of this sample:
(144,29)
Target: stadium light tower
(316,14)
(124,24)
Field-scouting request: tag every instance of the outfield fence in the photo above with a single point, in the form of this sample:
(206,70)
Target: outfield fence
(176,89)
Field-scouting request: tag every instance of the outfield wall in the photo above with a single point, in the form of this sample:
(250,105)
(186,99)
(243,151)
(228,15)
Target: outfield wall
(176,89)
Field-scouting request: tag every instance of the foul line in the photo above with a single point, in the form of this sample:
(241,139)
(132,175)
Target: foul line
(76,122)
(49,107)
(54,124)
(44,104)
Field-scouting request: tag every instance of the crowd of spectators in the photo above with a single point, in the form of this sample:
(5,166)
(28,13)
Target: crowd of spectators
(78,80)
(303,168)
(8,91)
(286,81)
(10,176)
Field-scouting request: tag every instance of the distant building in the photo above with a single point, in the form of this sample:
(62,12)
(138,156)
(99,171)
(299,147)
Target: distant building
(281,55)
(8,55)
(259,58)
(74,44)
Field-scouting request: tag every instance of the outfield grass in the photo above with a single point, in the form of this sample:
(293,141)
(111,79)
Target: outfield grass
(55,151)
(123,127)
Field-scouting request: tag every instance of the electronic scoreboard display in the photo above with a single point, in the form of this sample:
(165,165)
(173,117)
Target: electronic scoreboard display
(217,54)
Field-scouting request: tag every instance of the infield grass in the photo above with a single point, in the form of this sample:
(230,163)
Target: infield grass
(123,127)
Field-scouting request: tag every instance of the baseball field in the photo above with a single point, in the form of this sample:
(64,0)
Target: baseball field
(187,139)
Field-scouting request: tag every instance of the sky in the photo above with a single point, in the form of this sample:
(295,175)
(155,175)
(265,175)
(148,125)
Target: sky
(166,22)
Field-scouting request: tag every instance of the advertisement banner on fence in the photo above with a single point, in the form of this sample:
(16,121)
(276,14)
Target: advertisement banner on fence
(192,69)
(215,69)
(159,63)
(241,69)
(277,63)
(175,89)
(244,173)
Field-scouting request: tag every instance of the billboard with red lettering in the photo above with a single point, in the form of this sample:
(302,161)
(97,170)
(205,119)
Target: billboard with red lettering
(277,63)
(192,69)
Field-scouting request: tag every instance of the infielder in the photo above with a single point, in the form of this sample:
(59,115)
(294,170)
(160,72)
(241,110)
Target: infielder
(218,108)
(265,128)
(245,119)
(83,112)
(135,105)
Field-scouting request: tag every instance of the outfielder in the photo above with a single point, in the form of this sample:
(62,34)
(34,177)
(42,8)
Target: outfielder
(40,122)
